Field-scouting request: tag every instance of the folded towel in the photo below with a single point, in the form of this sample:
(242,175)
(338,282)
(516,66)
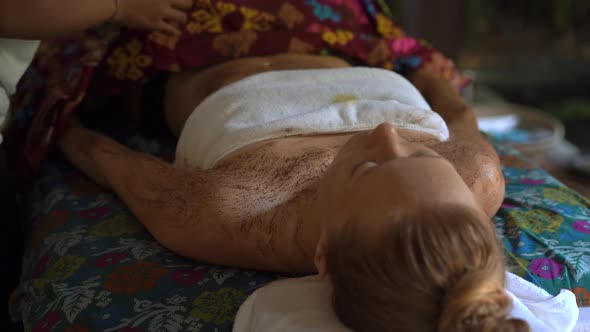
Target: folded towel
(583,324)
(542,311)
(304,304)
(301,102)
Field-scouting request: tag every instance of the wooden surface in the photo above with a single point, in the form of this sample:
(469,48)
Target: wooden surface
(576,180)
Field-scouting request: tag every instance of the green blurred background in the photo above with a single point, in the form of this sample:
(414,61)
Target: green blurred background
(530,52)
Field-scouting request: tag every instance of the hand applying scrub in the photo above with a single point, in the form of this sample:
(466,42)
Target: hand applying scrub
(42,19)
(157,15)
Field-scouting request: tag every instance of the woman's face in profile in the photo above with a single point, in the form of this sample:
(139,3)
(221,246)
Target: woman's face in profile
(378,174)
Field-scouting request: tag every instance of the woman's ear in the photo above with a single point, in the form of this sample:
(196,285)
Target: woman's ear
(320,256)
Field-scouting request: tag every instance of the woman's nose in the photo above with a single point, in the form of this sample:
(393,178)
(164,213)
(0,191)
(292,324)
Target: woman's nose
(387,137)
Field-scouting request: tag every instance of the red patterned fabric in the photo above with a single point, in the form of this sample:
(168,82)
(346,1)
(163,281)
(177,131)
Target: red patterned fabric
(114,59)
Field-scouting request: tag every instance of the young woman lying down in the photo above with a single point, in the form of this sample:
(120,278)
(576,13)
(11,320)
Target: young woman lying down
(299,163)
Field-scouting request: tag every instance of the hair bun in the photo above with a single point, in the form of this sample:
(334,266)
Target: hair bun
(476,303)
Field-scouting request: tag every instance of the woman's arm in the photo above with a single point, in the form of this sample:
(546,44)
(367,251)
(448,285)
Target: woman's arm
(174,205)
(40,19)
(473,157)
(446,101)
(210,216)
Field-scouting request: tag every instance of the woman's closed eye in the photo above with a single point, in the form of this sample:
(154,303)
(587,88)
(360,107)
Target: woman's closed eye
(367,164)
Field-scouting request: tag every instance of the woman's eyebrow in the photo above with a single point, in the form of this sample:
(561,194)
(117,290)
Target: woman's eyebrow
(424,154)
(417,154)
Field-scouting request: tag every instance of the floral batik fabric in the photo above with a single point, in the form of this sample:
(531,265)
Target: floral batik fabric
(545,228)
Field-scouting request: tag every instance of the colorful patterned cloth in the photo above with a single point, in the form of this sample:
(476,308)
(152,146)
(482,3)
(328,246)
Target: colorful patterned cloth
(109,60)
(545,227)
(90,266)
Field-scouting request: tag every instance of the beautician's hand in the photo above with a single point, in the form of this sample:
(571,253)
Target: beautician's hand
(158,15)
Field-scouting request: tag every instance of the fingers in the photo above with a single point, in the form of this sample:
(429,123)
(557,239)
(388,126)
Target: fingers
(168,28)
(165,16)
(175,15)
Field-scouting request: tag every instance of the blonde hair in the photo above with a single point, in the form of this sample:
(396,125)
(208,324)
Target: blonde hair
(439,270)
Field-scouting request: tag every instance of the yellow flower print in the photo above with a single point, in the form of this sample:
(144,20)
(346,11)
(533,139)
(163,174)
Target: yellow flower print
(386,28)
(255,20)
(209,18)
(537,220)
(39,283)
(116,226)
(127,61)
(561,195)
(516,265)
(220,306)
(64,267)
(341,37)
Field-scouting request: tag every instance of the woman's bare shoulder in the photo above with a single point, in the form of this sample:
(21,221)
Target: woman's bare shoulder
(478,164)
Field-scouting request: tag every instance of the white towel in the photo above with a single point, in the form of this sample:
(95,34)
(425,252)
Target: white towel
(15,57)
(301,102)
(304,304)
(542,311)
(583,324)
